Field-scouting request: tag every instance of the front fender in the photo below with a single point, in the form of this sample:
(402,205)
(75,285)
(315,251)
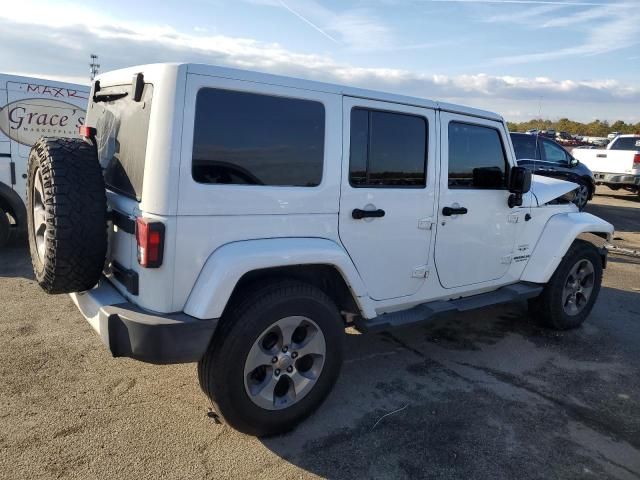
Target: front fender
(227,264)
(556,238)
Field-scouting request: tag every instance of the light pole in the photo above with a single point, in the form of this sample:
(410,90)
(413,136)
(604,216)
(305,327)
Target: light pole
(93,66)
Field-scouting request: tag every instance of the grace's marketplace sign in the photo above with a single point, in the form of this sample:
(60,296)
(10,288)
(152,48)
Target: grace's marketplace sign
(28,119)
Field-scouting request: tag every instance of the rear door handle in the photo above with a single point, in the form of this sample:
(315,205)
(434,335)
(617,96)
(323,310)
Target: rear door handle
(358,214)
(448,211)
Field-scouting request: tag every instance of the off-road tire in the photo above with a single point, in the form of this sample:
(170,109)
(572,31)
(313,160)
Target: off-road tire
(75,207)
(5,228)
(548,307)
(220,371)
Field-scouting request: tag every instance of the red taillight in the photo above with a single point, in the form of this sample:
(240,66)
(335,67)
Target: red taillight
(87,132)
(636,160)
(150,239)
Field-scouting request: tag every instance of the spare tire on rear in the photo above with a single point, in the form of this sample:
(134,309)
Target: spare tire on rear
(67,214)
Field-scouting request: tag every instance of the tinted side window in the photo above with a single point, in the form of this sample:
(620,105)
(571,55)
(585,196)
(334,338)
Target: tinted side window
(525,146)
(626,143)
(476,157)
(251,139)
(387,149)
(554,153)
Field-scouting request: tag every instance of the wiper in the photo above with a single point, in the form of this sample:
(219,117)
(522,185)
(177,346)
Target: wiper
(109,97)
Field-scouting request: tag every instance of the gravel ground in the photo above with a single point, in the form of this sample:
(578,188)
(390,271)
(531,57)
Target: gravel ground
(487,394)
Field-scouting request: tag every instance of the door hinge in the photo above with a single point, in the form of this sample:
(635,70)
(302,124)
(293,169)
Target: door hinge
(513,218)
(425,223)
(420,272)
(12,168)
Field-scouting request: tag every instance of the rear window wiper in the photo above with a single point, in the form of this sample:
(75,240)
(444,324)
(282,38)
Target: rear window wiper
(109,97)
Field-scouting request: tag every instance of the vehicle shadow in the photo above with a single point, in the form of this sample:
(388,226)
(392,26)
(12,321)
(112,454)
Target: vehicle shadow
(486,394)
(14,258)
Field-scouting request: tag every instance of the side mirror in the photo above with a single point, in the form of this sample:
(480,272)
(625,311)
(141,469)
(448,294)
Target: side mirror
(519,183)
(574,161)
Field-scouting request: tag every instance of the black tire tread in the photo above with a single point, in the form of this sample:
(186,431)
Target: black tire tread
(76,212)
(238,318)
(547,307)
(5,228)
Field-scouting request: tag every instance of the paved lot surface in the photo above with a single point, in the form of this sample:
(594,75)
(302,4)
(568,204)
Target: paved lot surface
(483,395)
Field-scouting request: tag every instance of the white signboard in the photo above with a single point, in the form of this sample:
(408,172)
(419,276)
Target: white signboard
(28,119)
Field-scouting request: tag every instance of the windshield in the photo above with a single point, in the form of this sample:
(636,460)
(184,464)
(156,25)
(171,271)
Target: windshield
(122,125)
(626,143)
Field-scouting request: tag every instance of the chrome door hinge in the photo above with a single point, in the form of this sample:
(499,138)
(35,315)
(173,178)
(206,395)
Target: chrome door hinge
(425,223)
(420,272)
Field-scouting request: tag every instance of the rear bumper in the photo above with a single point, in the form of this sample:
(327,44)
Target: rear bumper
(617,178)
(129,331)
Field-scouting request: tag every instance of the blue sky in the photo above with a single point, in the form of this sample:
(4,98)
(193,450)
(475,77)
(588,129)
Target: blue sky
(519,57)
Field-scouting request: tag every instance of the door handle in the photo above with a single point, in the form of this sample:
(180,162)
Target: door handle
(358,214)
(448,211)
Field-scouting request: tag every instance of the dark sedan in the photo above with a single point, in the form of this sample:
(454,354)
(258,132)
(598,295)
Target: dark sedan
(545,157)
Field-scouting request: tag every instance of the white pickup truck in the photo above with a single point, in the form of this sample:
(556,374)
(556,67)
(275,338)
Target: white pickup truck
(618,166)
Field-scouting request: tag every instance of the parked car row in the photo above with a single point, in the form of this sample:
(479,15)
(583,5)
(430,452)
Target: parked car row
(569,140)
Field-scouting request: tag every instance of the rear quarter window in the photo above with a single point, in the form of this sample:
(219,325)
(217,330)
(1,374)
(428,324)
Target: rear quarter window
(244,138)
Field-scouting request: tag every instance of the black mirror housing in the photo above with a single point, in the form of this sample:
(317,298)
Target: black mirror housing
(519,183)
(519,180)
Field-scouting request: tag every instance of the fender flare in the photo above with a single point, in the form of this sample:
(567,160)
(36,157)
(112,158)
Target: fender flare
(10,200)
(227,264)
(557,236)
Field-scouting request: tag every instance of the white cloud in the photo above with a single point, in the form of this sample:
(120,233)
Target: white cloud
(604,29)
(355,28)
(59,46)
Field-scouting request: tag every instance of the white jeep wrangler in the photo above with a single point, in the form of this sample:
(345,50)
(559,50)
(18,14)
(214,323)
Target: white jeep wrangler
(242,220)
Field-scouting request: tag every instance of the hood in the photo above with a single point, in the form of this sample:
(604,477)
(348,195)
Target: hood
(546,189)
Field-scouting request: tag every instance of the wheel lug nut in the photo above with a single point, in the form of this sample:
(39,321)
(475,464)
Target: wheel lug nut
(289,369)
(277,372)
(285,348)
(294,354)
(274,359)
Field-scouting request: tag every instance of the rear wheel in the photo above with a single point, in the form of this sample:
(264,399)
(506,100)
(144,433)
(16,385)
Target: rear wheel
(274,358)
(568,298)
(5,228)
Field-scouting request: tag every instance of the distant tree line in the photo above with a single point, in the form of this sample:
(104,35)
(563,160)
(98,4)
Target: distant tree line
(596,128)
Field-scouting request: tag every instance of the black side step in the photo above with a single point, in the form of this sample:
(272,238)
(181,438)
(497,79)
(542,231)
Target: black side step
(429,311)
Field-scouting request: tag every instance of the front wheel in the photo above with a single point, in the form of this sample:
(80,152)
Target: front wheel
(582,196)
(568,298)
(274,358)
